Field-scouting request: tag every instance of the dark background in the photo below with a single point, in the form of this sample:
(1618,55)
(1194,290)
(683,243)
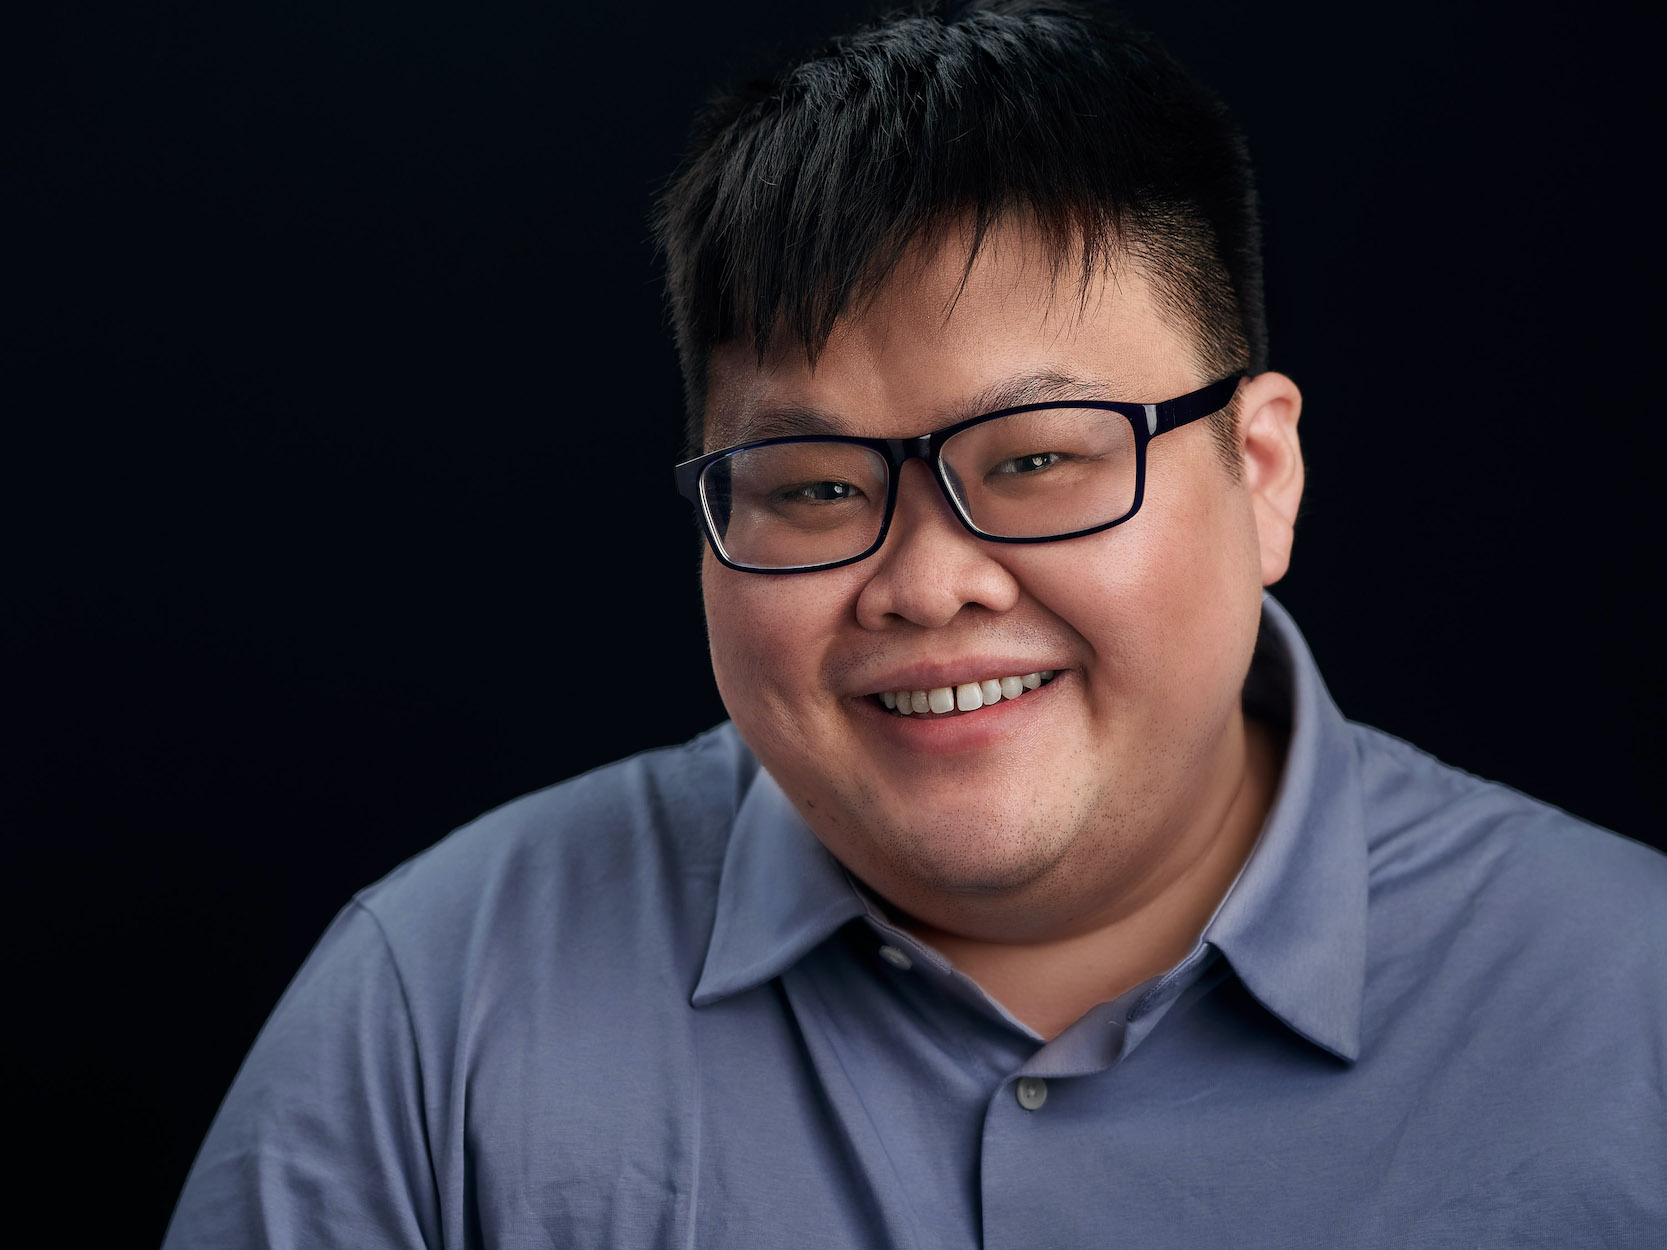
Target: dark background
(340,408)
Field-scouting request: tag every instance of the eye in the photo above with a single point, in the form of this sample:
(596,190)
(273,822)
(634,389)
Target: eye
(819,492)
(1033,462)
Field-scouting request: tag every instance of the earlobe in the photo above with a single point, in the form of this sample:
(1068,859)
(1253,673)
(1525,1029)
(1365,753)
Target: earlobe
(1271,458)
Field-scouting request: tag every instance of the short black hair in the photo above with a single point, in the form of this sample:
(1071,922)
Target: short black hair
(802,191)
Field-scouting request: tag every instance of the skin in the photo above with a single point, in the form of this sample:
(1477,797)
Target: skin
(1080,846)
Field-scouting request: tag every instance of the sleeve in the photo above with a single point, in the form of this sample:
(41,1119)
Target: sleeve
(321,1141)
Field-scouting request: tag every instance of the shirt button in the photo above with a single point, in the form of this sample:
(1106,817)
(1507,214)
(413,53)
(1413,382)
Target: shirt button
(896,958)
(1032,1092)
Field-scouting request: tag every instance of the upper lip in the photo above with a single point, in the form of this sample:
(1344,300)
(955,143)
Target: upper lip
(939,673)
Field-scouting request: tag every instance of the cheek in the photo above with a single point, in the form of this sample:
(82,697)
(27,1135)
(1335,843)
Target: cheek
(1212,571)
(768,637)
(1168,604)
(737,622)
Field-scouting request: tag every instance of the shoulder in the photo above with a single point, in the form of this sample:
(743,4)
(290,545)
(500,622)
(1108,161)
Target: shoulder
(572,914)
(1417,807)
(674,802)
(636,845)
(1471,867)
(1516,990)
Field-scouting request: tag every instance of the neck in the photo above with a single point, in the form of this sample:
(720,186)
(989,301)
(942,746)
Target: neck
(1050,982)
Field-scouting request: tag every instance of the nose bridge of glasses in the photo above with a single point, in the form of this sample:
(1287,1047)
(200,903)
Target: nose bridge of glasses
(924,449)
(945,483)
(901,450)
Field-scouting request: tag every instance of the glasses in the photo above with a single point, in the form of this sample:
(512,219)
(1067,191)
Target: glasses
(1037,473)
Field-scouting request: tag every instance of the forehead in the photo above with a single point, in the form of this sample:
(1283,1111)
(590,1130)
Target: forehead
(940,341)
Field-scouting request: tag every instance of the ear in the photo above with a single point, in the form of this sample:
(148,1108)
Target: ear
(1269,405)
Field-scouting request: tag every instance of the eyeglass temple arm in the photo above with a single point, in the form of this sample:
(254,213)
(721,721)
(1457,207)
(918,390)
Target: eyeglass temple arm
(1172,413)
(688,479)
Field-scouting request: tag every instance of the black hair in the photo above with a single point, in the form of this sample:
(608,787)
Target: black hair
(801,192)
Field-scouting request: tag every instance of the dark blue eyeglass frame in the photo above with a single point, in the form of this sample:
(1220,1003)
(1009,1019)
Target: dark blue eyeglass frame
(1147,420)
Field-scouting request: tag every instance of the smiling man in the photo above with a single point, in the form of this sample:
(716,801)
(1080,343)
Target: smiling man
(1036,894)
(1035,751)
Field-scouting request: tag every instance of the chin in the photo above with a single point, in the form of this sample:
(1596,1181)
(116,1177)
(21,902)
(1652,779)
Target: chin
(966,854)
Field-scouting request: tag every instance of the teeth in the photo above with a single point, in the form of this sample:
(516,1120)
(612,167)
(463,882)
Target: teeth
(967,698)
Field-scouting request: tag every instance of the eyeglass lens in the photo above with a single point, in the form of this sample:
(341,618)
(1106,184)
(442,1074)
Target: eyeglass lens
(1036,474)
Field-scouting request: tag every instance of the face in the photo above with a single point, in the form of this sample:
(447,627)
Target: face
(1071,797)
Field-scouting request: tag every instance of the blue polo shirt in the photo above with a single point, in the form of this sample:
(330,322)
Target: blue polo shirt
(645,1008)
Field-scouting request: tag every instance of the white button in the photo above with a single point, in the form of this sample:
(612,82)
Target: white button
(896,958)
(1032,1092)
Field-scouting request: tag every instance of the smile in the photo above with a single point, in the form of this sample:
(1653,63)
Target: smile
(948,700)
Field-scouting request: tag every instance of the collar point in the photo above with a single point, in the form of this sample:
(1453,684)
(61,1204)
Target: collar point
(715,988)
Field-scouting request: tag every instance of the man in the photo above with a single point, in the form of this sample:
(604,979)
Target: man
(1037,894)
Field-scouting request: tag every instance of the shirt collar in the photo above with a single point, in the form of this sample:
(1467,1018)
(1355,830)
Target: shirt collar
(1293,926)
(781,895)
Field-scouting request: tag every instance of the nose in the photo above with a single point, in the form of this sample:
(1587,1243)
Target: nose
(929,566)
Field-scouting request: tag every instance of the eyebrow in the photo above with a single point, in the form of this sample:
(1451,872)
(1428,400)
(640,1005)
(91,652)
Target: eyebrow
(1045,386)
(1034,388)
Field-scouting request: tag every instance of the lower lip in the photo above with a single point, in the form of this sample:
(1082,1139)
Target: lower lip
(970,731)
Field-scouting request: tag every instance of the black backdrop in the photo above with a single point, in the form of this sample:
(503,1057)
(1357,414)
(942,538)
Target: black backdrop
(340,408)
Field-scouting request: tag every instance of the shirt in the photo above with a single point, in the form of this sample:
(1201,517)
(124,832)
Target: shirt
(646,1008)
